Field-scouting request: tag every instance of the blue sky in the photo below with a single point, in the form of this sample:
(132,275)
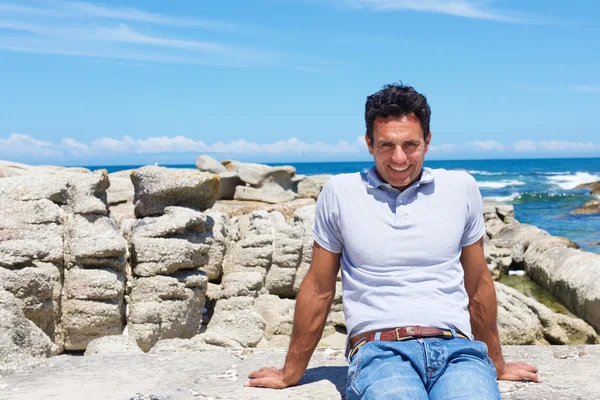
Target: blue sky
(132,82)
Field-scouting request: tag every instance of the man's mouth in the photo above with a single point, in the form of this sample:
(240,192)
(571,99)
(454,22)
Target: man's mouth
(399,169)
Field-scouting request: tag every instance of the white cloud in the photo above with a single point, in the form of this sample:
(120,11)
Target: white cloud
(587,89)
(486,145)
(525,145)
(74,147)
(18,145)
(458,8)
(443,148)
(560,145)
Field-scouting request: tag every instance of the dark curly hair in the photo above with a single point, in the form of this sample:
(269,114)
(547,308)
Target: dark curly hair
(397,100)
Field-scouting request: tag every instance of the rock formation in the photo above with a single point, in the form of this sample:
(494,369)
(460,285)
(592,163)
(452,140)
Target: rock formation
(62,256)
(190,273)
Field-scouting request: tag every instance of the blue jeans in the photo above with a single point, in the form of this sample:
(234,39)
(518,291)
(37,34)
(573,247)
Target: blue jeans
(431,368)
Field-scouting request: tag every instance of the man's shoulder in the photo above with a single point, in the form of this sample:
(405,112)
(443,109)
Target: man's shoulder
(452,177)
(344,181)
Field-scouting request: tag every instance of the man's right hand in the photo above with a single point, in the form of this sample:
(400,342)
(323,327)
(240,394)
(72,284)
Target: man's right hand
(269,378)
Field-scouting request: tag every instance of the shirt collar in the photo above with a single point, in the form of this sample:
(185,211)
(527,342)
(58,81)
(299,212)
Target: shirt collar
(373,181)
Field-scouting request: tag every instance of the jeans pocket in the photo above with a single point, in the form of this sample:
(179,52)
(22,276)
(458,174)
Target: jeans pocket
(354,369)
(485,348)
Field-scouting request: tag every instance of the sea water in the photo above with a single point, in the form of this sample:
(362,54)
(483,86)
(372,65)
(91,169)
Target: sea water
(542,190)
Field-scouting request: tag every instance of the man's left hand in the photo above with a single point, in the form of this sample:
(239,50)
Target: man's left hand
(519,371)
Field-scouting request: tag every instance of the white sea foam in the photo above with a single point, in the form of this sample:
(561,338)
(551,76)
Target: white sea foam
(475,172)
(499,184)
(502,199)
(570,181)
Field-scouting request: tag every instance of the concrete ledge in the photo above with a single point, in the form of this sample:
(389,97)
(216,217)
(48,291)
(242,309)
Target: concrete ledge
(569,372)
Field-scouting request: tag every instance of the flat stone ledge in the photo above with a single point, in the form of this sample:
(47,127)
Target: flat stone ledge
(569,372)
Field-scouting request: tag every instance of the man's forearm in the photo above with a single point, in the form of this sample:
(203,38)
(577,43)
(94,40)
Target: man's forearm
(483,311)
(312,308)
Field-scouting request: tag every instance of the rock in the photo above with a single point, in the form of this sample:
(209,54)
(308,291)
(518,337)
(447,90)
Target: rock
(20,339)
(10,169)
(158,187)
(266,184)
(572,276)
(277,313)
(234,208)
(121,188)
(194,344)
(498,259)
(38,290)
(166,307)
(225,233)
(228,184)
(591,185)
(591,207)
(208,164)
(272,194)
(111,345)
(523,320)
(242,284)
(271,247)
(311,186)
(220,374)
(235,324)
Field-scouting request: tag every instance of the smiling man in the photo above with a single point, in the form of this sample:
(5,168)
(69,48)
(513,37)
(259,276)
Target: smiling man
(419,301)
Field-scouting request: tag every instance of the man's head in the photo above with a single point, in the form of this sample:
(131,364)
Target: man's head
(398,135)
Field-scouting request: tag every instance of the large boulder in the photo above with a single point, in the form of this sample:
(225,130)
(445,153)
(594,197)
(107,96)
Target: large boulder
(166,307)
(53,227)
(264,183)
(523,320)
(158,187)
(271,247)
(208,164)
(312,185)
(21,341)
(121,188)
(235,323)
(591,207)
(113,345)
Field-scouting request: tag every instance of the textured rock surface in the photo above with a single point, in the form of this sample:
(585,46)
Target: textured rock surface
(111,345)
(121,188)
(61,255)
(591,207)
(234,208)
(568,372)
(264,183)
(21,341)
(569,274)
(523,320)
(208,164)
(311,186)
(160,187)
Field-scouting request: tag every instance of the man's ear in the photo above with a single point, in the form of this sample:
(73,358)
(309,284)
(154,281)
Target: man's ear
(427,141)
(369,144)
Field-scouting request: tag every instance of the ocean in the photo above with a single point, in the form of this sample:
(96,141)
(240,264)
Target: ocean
(541,190)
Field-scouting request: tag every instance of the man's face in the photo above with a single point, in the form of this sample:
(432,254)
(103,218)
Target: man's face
(398,148)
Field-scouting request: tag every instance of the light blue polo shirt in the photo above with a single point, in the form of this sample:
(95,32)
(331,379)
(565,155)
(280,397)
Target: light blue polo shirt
(401,250)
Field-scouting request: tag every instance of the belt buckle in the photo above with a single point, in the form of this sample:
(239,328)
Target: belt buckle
(397,330)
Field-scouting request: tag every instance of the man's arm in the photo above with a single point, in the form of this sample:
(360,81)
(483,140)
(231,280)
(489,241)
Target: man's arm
(483,311)
(312,307)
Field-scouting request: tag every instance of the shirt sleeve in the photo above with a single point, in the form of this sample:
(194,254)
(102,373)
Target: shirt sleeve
(326,231)
(474,224)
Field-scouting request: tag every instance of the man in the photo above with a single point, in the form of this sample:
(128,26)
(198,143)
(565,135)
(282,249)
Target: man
(416,287)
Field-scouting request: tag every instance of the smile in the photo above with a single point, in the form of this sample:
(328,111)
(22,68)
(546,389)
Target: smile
(399,169)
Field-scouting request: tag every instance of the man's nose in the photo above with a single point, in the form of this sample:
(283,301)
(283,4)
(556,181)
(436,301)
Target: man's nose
(399,156)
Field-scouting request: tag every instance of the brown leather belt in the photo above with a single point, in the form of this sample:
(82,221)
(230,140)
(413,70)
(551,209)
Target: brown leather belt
(402,333)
